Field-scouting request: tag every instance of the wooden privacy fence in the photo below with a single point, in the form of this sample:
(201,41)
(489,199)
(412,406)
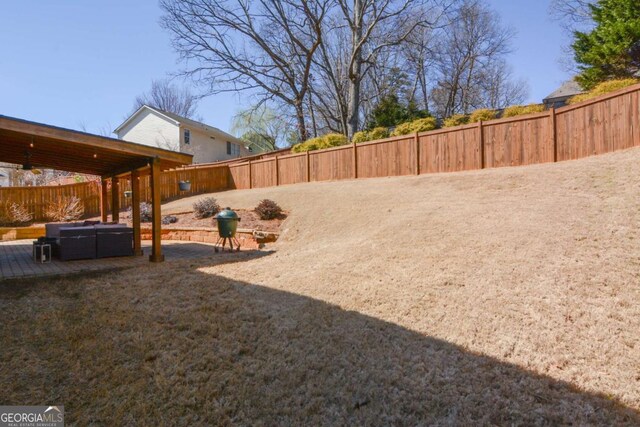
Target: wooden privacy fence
(36,199)
(608,123)
(203,180)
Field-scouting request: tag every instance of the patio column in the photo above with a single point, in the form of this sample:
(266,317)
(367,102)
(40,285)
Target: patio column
(115,200)
(156,224)
(104,200)
(135,212)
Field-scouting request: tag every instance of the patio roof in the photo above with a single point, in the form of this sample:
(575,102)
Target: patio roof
(69,150)
(46,146)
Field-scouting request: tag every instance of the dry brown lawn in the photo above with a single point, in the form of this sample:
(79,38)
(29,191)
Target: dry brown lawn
(507,297)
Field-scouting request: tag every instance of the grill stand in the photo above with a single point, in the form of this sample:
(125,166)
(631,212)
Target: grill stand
(222,242)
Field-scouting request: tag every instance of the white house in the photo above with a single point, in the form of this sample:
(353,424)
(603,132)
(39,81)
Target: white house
(158,128)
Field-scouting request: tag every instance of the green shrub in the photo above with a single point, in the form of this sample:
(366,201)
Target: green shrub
(456,120)
(372,135)
(320,142)
(333,140)
(377,133)
(359,137)
(268,209)
(206,208)
(419,125)
(483,114)
(603,88)
(519,110)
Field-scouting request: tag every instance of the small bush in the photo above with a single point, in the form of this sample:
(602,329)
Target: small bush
(12,214)
(320,142)
(169,219)
(456,120)
(65,209)
(419,125)
(359,137)
(602,89)
(145,212)
(372,135)
(268,209)
(483,114)
(519,110)
(206,208)
(378,133)
(333,140)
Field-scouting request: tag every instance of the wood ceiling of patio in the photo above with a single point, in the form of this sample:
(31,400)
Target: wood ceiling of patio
(68,150)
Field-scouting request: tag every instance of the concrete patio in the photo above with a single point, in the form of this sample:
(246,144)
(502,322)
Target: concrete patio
(16,260)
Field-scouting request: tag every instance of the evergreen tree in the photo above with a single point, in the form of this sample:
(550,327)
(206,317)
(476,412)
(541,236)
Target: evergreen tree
(609,50)
(391,112)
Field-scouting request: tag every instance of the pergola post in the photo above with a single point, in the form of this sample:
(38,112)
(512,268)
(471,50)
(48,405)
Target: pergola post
(135,212)
(115,200)
(104,200)
(156,224)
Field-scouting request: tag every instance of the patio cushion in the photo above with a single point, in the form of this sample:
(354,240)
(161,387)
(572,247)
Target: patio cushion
(53,229)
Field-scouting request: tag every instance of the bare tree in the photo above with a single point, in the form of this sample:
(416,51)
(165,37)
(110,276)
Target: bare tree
(375,25)
(472,49)
(168,97)
(420,59)
(263,46)
(498,87)
(330,79)
(573,13)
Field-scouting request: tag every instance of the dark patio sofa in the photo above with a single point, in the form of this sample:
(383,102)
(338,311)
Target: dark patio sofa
(87,240)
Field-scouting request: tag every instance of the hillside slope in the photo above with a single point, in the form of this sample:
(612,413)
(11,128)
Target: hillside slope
(537,266)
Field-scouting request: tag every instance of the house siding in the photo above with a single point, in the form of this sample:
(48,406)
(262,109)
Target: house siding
(208,147)
(150,128)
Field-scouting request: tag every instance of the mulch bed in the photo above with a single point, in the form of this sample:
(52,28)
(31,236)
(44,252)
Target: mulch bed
(248,219)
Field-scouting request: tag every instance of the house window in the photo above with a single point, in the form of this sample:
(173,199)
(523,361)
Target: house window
(187,136)
(233,149)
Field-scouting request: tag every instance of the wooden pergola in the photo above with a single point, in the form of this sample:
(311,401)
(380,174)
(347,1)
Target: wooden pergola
(51,147)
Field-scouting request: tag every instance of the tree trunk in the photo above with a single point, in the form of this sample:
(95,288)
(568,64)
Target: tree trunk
(355,70)
(302,127)
(314,126)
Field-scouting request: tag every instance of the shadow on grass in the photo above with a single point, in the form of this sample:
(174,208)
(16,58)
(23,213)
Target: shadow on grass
(177,345)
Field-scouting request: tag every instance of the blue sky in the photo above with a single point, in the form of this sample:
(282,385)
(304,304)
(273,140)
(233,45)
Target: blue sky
(80,64)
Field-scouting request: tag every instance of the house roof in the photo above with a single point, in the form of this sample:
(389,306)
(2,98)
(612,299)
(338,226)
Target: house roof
(568,89)
(179,120)
(69,150)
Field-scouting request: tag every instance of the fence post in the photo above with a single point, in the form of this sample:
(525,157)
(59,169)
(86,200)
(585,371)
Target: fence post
(308,168)
(277,172)
(250,175)
(355,160)
(554,132)
(417,141)
(481,130)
